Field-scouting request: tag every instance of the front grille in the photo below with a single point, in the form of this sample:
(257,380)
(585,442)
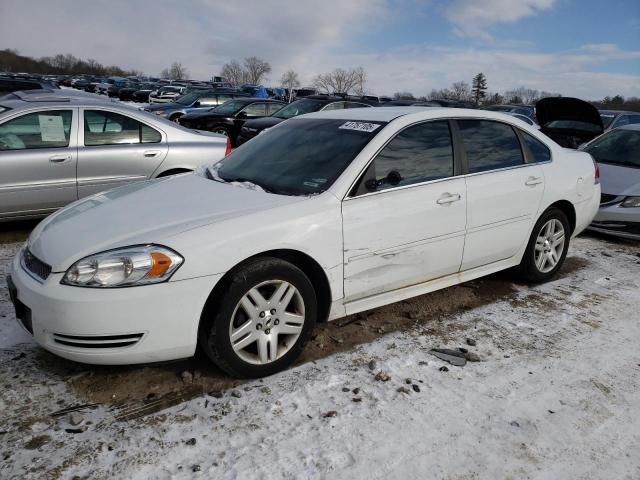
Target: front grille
(34,265)
(606,198)
(97,341)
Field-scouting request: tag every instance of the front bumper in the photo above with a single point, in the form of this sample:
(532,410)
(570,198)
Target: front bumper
(615,220)
(112,326)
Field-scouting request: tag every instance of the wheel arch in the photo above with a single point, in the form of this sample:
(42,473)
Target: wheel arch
(303,261)
(568,209)
(173,171)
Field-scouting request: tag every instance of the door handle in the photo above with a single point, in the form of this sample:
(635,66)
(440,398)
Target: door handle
(151,153)
(532,181)
(60,158)
(448,198)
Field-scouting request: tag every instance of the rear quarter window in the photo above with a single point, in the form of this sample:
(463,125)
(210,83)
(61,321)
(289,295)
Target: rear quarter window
(539,152)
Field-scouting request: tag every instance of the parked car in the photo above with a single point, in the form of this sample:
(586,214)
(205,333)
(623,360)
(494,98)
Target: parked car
(126,93)
(618,155)
(167,94)
(569,121)
(324,215)
(313,103)
(142,95)
(10,84)
(193,102)
(617,118)
(56,149)
(228,118)
(526,110)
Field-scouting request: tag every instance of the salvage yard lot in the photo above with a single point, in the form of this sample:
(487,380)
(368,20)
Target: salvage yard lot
(554,395)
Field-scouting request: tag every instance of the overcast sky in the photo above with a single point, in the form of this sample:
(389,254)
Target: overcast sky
(583,48)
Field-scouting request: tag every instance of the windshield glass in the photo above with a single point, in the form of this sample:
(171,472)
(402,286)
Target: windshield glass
(299,157)
(573,125)
(619,147)
(230,107)
(188,99)
(607,118)
(299,107)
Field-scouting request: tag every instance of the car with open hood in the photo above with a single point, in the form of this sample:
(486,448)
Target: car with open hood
(618,155)
(324,215)
(569,121)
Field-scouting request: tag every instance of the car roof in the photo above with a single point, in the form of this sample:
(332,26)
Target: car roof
(420,113)
(30,98)
(616,112)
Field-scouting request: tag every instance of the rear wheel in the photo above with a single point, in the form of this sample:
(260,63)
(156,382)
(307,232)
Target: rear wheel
(547,247)
(262,320)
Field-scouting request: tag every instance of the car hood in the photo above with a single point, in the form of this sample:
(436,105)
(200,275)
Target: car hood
(262,123)
(619,180)
(554,109)
(146,212)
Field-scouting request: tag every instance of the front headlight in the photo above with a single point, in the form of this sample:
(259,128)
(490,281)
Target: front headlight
(631,202)
(124,267)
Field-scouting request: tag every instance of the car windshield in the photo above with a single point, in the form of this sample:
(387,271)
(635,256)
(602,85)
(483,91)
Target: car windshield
(618,147)
(299,107)
(573,125)
(188,99)
(299,157)
(607,118)
(230,107)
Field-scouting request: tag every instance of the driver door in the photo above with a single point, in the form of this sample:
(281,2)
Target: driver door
(404,223)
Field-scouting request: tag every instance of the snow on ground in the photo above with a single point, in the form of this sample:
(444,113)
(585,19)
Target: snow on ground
(555,396)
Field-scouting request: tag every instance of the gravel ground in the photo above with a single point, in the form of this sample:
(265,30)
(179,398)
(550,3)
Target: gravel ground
(554,394)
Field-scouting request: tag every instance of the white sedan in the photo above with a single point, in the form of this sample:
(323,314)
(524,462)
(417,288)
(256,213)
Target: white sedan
(323,216)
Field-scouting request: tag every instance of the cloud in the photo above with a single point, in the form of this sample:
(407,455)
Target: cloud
(472,18)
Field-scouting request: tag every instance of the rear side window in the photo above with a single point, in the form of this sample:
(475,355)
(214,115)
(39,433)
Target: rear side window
(108,128)
(539,151)
(417,154)
(490,145)
(46,129)
(273,108)
(255,110)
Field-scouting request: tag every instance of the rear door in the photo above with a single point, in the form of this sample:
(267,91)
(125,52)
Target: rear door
(115,149)
(38,154)
(503,191)
(408,225)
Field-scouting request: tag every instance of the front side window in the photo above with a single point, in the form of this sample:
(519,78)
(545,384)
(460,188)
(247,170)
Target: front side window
(109,128)
(46,129)
(255,110)
(299,157)
(539,151)
(335,106)
(273,108)
(418,154)
(490,145)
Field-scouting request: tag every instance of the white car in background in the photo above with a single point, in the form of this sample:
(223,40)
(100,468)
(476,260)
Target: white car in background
(322,216)
(167,94)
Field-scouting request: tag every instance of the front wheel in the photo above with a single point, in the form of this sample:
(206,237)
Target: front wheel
(261,322)
(547,247)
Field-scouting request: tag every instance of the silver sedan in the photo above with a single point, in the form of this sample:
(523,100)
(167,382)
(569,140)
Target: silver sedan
(56,148)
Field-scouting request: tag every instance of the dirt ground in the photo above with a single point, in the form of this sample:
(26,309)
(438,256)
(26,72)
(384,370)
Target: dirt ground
(143,393)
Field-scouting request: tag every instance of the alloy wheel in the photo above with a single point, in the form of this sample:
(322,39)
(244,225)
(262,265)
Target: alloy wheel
(549,245)
(266,322)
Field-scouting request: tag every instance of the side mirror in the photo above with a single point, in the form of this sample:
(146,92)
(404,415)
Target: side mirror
(393,178)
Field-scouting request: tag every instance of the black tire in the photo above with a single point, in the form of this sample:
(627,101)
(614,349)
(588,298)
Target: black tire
(527,270)
(214,338)
(175,118)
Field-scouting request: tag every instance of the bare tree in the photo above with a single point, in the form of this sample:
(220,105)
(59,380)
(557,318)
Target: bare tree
(256,69)
(524,95)
(403,96)
(342,81)
(290,81)
(460,91)
(233,73)
(176,71)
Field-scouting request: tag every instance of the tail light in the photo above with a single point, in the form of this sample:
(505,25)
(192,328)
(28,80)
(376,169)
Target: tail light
(597,173)
(228,150)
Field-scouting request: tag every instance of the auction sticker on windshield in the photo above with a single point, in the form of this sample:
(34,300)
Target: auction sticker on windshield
(360,126)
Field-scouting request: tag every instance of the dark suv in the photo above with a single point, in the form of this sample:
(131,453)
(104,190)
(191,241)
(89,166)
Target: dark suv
(313,103)
(228,118)
(11,84)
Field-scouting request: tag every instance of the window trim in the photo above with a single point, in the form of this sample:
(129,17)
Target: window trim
(457,168)
(82,142)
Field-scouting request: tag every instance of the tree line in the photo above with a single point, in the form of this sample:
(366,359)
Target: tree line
(255,70)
